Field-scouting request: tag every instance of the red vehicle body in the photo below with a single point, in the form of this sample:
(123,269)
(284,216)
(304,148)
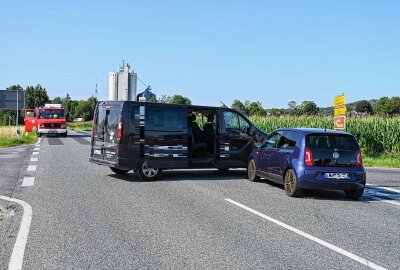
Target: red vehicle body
(49,119)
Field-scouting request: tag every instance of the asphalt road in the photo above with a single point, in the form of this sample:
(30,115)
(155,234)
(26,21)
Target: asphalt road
(86,217)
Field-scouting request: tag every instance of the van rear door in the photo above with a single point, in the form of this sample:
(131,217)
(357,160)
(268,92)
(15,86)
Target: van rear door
(105,131)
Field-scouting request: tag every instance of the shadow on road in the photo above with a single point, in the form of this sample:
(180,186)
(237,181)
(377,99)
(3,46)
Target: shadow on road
(188,175)
(78,136)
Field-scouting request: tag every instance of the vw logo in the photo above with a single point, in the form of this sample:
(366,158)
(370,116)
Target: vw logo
(335,155)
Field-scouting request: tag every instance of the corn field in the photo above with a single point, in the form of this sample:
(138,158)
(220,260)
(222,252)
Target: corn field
(375,135)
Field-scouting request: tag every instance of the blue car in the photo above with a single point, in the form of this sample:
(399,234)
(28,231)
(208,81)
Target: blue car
(304,158)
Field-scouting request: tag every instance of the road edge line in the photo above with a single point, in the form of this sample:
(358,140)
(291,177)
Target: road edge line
(310,237)
(17,255)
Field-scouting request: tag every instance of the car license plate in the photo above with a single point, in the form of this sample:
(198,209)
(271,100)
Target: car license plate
(52,131)
(97,152)
(337,176)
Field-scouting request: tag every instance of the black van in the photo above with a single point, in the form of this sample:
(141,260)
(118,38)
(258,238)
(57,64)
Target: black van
(148,137)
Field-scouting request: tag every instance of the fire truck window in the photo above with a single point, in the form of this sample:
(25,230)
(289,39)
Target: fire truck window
(51,114)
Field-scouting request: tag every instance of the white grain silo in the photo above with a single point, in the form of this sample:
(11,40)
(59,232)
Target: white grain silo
(123,83)
(113,85)
(132,86)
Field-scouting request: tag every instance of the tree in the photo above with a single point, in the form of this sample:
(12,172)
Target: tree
(35,96)
(363,106)
(153,99)
(255,108)
(388,106)
(309,108)
(293,108)
(239,106)
(164,99)
(178,99)
(56,100)
(275,112)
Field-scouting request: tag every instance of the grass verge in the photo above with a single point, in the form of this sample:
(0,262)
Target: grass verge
(9,138)
(383,160)
(84,126)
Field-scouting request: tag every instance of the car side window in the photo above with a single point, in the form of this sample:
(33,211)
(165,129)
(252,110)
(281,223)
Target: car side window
(288,140)
(231,121)
(273,140)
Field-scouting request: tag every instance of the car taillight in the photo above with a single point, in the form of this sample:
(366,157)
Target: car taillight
(308,157)
(358,159)
(120,127)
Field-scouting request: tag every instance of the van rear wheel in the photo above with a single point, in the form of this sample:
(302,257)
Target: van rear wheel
(147,174)
(118,171)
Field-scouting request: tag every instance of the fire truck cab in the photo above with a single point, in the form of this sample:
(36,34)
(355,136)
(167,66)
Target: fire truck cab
(49,119)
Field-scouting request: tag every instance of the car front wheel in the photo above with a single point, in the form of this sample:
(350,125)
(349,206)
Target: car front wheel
(292,188)
(146,173)
(252,171)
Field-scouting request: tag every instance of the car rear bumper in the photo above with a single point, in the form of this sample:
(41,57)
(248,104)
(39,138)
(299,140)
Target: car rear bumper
(314,179)
(52,131)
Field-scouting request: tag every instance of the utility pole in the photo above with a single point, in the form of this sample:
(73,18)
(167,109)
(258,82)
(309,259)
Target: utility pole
(18,132)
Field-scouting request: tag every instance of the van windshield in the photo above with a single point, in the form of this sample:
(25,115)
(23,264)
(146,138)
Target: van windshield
(332,149)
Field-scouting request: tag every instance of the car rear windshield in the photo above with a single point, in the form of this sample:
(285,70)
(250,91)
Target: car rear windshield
(332,149)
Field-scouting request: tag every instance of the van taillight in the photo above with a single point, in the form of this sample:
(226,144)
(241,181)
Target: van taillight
(358,159)
(120,127)
(308,158)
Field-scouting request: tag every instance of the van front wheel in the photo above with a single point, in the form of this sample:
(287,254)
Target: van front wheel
(147,174)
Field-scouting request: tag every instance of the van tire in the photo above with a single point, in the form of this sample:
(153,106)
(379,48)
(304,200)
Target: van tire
(147,174)
(118,171)
(354,194)
(252,171)
(290,184)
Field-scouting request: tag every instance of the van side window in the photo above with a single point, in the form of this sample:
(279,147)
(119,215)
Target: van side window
(231,121)
(171,118)
(234,122)
(288,140)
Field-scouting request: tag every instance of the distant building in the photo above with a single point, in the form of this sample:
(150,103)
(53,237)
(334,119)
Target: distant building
(147,94)
(122,85)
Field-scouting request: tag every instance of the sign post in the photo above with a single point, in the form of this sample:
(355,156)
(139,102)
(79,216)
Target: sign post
(340,112)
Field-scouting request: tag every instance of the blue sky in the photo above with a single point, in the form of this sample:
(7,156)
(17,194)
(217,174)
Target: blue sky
(210,51)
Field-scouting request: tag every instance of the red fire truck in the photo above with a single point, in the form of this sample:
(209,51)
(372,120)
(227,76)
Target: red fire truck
(49,119)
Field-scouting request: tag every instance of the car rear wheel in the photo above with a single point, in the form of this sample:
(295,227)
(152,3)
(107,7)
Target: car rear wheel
(118,171)
(146,173)
(291,186)
(252,171)
(354,194)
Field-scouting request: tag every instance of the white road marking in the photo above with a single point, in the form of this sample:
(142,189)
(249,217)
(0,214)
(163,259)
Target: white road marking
(34,159)
(37,145)
(35,153)
(28,181)
(36,149)
(310,237)
(17,255)
(391,202)
(384,188)
(31,168)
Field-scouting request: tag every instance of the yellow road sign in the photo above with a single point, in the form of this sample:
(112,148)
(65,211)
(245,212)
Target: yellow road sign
(340,110)
(339,101)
